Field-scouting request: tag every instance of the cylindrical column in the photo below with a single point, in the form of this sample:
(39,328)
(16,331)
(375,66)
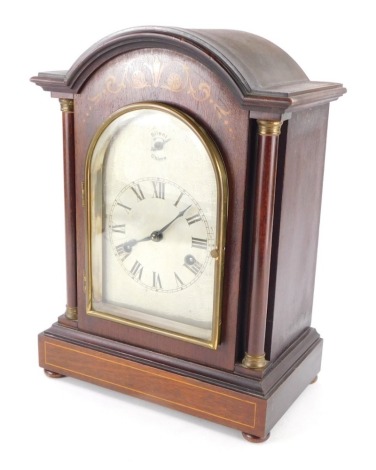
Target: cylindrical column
(67,108)
(267,153)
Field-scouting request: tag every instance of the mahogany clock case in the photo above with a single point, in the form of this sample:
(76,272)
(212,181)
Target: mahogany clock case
(230,83)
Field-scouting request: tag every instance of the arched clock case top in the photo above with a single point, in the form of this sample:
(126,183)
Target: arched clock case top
(193,169)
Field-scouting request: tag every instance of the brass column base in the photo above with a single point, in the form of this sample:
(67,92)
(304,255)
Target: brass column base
(254,362)
(71,313)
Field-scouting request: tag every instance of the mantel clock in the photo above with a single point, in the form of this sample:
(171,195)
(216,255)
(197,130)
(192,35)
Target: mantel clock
(193,169)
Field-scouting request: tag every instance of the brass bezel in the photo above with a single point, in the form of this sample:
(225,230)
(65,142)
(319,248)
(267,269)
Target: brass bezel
(222,213)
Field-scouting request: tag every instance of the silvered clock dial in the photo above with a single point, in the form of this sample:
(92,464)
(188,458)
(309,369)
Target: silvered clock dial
(156,223)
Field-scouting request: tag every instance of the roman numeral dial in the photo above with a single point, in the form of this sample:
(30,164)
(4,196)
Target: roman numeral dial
(160,235)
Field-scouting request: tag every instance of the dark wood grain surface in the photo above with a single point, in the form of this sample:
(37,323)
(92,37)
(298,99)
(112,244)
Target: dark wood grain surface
(297,228)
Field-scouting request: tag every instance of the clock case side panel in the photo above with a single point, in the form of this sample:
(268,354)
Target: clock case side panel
(296,228)
(215,108)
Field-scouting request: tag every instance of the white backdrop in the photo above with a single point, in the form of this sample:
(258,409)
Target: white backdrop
(56,424)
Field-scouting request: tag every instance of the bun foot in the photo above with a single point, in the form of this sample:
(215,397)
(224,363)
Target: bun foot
(315,380)
(53,375)
(255,439)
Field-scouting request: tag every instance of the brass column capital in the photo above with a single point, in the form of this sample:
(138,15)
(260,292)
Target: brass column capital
(66,105)
(269,128)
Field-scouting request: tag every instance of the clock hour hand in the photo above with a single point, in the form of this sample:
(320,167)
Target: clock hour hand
(128,246)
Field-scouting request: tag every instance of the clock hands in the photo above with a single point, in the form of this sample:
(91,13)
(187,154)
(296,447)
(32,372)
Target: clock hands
(155,236)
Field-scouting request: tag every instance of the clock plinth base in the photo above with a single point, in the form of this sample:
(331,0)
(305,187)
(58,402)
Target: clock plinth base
(251,404)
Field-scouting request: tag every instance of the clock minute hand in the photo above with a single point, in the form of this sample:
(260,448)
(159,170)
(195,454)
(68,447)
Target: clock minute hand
(181,213)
